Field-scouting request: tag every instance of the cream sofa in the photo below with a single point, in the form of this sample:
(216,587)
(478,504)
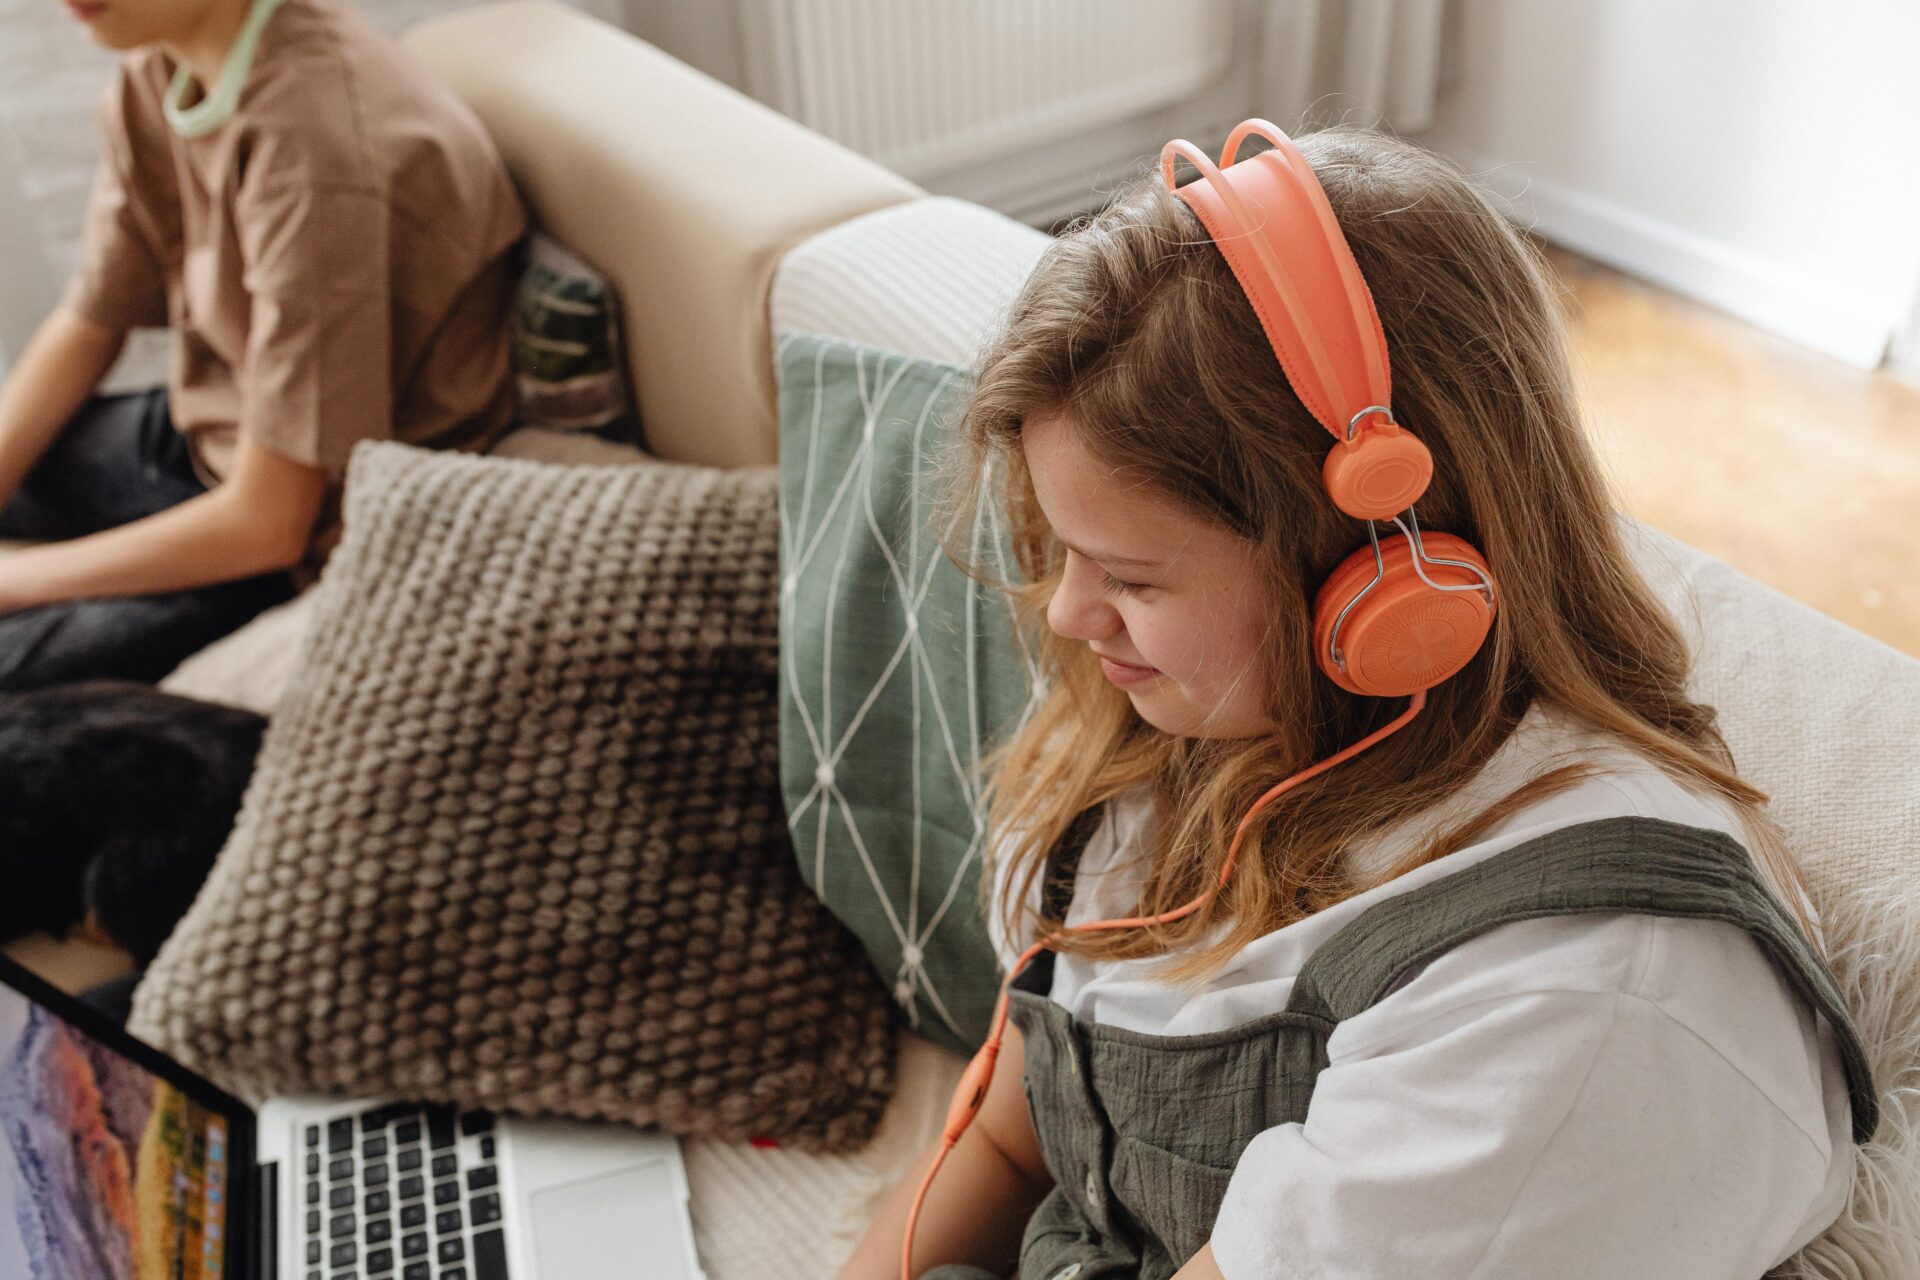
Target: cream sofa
(721,222)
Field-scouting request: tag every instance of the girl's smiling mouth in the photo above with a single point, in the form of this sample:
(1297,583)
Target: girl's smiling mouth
(1123,673)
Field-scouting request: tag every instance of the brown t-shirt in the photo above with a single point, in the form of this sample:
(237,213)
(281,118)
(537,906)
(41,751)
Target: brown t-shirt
(335,260)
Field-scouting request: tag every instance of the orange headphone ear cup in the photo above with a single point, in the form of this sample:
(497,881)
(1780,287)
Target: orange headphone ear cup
(1403,636)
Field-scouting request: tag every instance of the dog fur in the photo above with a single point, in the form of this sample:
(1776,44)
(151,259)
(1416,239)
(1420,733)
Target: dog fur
(114,800)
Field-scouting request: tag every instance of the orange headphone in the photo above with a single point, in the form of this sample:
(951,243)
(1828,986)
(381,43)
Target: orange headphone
(1397,616)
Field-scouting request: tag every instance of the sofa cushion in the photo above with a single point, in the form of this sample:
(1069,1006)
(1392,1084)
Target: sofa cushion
(898,671)
(1817,714)
(253,667)
(514,837)
(897,860)
(569,364)
(929,278)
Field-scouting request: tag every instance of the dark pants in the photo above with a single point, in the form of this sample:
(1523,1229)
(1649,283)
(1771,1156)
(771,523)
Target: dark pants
(118,460)
(114,998)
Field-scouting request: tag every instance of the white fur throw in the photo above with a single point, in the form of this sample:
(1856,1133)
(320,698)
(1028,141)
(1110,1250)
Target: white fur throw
(1877,960)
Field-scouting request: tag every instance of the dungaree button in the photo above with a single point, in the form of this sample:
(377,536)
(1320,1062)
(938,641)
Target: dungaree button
(1067,1272)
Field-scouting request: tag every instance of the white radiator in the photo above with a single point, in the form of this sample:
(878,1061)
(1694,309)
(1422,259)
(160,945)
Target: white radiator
(1033,105)
(925,87)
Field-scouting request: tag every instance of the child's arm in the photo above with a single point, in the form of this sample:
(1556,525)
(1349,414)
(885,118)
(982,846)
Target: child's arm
(977,1209)
(55,373)
(257,520)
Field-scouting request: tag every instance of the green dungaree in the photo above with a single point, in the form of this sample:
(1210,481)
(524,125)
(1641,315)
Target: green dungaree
(1142,1132)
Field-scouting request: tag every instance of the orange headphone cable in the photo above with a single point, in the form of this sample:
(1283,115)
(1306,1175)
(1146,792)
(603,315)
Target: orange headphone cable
(972,1090)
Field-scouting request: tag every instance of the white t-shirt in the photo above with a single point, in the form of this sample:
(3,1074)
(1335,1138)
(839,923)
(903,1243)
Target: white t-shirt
(1612,1095)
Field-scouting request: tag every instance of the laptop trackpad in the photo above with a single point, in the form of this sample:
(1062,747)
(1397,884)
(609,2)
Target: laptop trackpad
(616,1226)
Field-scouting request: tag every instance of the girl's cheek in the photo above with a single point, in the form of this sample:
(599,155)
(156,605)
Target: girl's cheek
(1165,648)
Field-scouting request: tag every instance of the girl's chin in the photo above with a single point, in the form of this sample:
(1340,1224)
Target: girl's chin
(1170,721)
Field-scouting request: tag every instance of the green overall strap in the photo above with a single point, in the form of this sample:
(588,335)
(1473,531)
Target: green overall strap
(1648,866)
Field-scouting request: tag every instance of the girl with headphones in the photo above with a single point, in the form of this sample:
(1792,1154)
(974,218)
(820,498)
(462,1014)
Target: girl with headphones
(1509,974)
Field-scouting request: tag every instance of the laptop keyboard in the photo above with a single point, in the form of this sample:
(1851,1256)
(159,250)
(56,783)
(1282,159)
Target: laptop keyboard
(393,1194)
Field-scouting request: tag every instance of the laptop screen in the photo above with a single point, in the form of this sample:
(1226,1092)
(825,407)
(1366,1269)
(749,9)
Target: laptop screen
(114,1163)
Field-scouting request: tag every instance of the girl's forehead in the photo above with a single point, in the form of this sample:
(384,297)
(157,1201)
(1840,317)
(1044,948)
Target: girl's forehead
(1112,516)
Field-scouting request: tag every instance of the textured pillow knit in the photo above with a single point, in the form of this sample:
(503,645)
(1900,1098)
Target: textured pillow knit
(515,836)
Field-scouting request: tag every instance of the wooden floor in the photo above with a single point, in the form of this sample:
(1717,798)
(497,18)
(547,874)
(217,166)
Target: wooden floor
(1793,467)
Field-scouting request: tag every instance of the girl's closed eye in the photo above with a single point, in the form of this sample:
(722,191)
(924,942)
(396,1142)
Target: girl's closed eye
(1118,587)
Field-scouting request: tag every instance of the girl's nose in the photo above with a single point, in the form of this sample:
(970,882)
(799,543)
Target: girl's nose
(1078,609)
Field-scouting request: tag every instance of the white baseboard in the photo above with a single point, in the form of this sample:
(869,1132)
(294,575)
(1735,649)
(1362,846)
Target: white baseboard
(1825,316)
(1903,357)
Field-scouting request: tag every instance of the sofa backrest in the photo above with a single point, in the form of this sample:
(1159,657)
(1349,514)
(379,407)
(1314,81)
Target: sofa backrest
(684,192)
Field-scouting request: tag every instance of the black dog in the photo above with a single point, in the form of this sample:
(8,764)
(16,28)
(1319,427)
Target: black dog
(114,799)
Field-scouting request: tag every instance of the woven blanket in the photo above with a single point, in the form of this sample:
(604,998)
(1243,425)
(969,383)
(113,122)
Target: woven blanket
(515,836)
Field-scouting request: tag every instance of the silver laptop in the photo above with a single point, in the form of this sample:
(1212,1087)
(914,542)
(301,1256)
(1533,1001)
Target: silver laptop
(117,1163)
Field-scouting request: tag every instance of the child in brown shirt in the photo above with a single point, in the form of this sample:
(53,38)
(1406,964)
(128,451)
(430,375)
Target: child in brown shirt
(329,235)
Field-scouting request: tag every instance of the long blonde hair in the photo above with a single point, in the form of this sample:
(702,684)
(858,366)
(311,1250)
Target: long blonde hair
(1133,326)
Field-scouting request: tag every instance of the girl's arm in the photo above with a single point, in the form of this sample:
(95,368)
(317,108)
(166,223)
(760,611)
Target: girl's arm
(54,374)
(258,520)
(977,1210)
(1200,1266)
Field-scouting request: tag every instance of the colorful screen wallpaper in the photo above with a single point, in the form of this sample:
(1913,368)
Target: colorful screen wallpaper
(106,1172)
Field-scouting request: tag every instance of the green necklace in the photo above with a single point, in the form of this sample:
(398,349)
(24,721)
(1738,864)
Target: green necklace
(212,111)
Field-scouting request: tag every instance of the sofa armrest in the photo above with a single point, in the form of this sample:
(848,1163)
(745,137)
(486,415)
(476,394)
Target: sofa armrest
(683,191)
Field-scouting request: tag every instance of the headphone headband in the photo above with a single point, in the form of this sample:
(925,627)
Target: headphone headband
(1273,223)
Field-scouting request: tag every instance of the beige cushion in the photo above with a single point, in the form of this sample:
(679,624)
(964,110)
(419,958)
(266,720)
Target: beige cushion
(514,838)
(254,665)
(684,192)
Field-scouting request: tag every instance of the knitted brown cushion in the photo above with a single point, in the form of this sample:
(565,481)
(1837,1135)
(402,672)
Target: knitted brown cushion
(515,836)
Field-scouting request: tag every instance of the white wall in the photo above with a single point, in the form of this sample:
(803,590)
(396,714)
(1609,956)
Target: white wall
(27,285)
(1903,360)
(1762,156)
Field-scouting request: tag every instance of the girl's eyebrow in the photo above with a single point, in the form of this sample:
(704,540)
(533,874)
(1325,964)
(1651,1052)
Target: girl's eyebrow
(1129,561)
